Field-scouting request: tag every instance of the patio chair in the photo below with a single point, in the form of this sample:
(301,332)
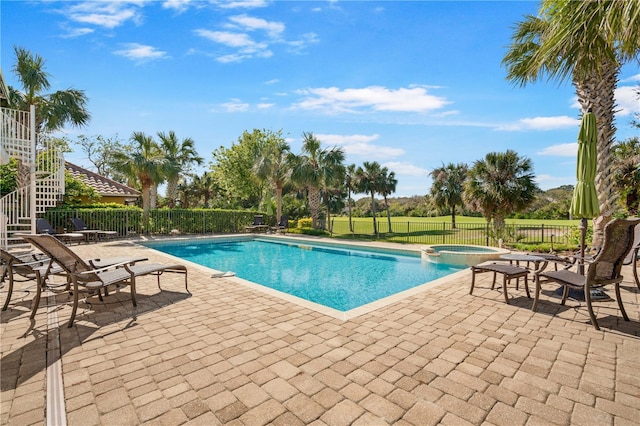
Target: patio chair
(283,225)
(86,277)
(26,267)
(44,227)
(508,272)
(603,270)
(634,256)
(257,225)
(95,234)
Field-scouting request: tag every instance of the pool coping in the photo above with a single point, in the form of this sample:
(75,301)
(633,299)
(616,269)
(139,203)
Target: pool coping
(316,307)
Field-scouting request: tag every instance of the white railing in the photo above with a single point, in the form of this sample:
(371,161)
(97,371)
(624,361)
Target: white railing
(15,133)
(46,181)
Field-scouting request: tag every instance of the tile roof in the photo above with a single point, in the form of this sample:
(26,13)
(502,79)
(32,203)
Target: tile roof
(104,185)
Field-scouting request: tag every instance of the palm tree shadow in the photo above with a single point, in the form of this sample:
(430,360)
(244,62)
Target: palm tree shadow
(22,364)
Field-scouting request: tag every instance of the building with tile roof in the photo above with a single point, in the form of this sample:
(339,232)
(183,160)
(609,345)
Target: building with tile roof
(110,190)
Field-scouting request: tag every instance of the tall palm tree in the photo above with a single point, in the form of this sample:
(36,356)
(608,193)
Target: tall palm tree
(500,184)
(447,187)
(313,168)
(388,184)
(589,42)
(369,182)
(144,162)
(273,165)
(350,183)
(53,110)
(179,158)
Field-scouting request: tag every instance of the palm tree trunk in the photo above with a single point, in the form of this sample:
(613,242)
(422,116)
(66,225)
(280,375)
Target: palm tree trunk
(350,220)
(172,192)
(388,212)
(453,217)
(279,202)
(153,196)
(146,205)
(373,211)
(597,93)
(314,205)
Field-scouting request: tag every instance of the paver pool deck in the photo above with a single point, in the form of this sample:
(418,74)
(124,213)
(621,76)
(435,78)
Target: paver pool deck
(229,354)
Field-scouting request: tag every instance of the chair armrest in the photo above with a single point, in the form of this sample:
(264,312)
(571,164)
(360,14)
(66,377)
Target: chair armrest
(103,269)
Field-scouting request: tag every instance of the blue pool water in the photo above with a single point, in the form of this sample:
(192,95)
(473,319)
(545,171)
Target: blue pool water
(340,278)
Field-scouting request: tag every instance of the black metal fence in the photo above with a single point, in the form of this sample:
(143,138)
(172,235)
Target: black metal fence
(463,233)
(204,221)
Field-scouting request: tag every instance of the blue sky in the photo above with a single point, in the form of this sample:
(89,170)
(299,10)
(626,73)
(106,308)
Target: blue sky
(412,85)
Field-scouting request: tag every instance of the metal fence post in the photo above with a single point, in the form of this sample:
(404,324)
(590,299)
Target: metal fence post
(542,228)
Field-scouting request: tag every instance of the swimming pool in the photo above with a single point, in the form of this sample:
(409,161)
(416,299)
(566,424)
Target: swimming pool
(340,277)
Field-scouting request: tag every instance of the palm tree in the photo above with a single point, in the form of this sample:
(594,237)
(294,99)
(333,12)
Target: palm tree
(144,162)
(273,165)
(388,184)
(589,42)
(447,187)
(350,183)
(53,110)
(179,157)
(500,184)
(313,168)
(369,182)
(626,177)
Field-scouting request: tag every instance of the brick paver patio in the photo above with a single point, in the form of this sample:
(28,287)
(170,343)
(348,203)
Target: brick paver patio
(228,354)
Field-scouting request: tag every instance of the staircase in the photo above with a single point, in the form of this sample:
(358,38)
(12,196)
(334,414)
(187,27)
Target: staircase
(45,184)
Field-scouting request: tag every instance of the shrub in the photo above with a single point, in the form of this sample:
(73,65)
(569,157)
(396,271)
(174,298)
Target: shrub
(305,222)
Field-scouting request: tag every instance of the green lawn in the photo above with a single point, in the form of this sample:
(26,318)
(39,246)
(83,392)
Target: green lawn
(469,230)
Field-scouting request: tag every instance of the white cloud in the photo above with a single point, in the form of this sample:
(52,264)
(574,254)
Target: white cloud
(405,169)
(237,4)
(561,150)
(627,100)
(77,32)
(265,105)
(541,123)
(360,145)
(104,14)
(272,81)
(631,79)
(246,47)
(236,106)
(249,23)
(141,53)
(376,98)
(177,5)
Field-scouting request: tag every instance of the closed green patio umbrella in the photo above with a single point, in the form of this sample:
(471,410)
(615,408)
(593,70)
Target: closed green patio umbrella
(584,204)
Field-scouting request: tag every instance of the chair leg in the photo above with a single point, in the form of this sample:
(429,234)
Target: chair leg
(619,299)
(536,297)
(493,283)
(473,279)
(36,300)
(587,298)
(9,292)
(75,302)
(526,287)
(504,288)
(635,269)
(565,294)
(132,284)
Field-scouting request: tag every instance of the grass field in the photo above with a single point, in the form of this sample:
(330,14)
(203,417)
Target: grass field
(469,230)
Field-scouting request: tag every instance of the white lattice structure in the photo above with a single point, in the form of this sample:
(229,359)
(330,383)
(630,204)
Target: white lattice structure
(45,186)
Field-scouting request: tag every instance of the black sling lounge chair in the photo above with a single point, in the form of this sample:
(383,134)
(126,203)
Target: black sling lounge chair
(86,277)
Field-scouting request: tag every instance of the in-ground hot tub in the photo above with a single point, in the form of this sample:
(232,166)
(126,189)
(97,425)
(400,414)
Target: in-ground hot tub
(461,254)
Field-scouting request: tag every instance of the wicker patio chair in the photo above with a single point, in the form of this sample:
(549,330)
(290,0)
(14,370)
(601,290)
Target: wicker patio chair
(603,270)
(95,234)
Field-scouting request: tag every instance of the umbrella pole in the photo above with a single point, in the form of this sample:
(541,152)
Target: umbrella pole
(583,238)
